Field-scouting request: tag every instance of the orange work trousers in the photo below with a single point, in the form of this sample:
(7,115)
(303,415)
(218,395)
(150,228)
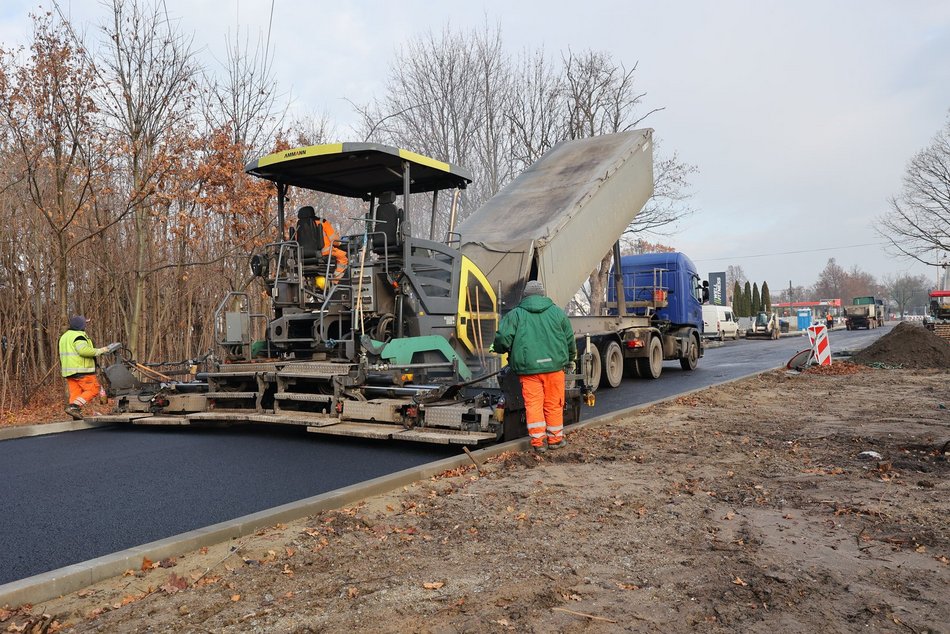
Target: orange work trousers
(544,406)
(82,388)
(339,256)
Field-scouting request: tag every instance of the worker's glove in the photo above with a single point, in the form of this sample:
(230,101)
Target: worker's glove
(112,347)
(491,348)
(571,368)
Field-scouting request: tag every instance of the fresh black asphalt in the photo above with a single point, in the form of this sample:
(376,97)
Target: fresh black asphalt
(75,496)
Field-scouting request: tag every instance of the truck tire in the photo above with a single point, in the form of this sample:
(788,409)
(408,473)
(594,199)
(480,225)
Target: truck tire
(593,381)
(631,369)
(652,365)
(691,359)
(611,365)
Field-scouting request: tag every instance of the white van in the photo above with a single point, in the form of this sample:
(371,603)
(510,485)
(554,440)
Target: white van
(719,322)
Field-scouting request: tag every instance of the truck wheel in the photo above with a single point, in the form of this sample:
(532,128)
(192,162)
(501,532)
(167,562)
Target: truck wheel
(652,365)
(612,365)
(691,359)
(593,379)
(631,369)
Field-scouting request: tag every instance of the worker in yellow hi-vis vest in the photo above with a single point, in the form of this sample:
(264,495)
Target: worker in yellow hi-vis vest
(77,356)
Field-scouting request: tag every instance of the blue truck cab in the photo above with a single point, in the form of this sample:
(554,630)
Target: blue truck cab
(652,279)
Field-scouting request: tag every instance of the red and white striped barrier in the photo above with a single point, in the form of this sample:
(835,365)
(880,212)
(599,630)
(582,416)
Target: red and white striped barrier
(821,349)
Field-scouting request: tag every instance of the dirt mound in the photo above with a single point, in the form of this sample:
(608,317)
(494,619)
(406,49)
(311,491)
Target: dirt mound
(908,345)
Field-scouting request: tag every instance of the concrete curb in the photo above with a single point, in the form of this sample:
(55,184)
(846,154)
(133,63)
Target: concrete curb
(54,583)
(23,431)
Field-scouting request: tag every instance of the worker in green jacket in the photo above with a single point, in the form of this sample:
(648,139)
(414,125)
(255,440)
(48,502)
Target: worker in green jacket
(77,358)
(540,344)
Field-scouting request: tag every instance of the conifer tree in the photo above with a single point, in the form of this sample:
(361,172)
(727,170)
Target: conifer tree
(766,297)
(756,300)
(736,299)
(747,300)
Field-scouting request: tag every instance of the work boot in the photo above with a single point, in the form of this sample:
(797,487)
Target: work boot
(557,445)
(74,411)
(539,449)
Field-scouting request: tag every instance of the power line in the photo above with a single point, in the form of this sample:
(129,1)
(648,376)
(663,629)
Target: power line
(765,255)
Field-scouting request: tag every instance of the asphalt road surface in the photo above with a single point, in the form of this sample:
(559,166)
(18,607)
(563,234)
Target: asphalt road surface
(75,496)
(722,362)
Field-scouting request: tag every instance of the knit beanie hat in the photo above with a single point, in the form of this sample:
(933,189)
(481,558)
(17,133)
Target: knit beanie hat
(77,322)
(533,287)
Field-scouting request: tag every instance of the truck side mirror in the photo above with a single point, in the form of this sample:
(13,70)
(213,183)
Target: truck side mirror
(705,291)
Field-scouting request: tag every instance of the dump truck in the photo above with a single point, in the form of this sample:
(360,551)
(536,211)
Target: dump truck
(663,299)
(555,222)
(864,312)
(937,319)
(398,348)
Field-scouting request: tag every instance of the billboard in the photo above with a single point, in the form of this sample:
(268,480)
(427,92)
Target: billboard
(717,288)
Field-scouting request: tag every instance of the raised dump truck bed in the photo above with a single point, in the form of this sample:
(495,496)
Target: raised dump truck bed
(556,220)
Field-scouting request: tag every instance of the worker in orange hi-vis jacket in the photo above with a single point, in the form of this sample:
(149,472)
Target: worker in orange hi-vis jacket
(539,340)
(331,245)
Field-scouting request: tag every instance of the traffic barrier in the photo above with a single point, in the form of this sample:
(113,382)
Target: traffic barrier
(818,336)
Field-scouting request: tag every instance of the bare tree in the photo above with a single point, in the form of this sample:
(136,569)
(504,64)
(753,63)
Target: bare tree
(47,107)
(918,223)
(734,273)
(148,91)
(244,100)
(537,112)
(447,97)
(832,281)
(906,291)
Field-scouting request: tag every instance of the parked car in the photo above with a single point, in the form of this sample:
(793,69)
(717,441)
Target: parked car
(719,322)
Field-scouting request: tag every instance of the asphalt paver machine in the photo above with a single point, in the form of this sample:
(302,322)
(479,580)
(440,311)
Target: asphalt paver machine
(397,347)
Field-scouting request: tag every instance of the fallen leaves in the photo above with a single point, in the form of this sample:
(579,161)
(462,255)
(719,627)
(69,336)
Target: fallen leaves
(824,471)
(433,585)
(739,582)
(174,584)
(207,581)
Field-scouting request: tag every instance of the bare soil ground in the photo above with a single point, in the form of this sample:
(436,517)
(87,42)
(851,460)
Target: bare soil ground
(744,508)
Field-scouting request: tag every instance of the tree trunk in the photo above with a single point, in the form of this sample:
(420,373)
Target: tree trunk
(598,284)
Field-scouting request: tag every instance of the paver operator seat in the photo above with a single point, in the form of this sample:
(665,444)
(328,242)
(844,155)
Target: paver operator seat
(389,218)
(309,235)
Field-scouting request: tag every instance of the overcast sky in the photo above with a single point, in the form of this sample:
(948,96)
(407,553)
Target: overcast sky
(801,116)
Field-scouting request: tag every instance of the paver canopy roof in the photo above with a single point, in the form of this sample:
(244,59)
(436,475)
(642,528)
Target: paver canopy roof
(357,170)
